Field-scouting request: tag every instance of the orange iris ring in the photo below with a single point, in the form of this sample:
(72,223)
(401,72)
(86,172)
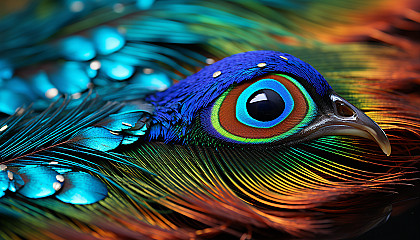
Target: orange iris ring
(224,121)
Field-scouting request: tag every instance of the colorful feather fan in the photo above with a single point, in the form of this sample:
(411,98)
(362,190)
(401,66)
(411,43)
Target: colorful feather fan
(196,119)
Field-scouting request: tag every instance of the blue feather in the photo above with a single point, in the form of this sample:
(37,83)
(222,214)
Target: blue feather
(60,139)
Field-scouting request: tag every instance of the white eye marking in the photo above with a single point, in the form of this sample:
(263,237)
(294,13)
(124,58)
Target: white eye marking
(260,97)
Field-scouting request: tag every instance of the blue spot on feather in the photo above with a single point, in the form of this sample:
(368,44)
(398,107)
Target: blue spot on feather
(156,81)
(71,78)
(39,181)
(77,48)
(4,182)
(144,4)
(82,188)
(19,85)
(117,70)
(9,107)
(6,71)
(107,40)
(41,84)
(98,138)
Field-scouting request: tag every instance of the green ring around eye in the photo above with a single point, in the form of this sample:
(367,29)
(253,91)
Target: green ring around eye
(215,121)
(241,110)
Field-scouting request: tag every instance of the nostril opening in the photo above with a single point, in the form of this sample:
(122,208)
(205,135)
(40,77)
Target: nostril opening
(343,109)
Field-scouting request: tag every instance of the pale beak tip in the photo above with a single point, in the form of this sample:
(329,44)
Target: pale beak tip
(379,136)
(382,140)
(386,149)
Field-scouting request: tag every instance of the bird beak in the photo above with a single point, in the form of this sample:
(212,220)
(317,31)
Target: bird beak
(346,119)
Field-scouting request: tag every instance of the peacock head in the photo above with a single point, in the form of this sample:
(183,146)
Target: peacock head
(257,98)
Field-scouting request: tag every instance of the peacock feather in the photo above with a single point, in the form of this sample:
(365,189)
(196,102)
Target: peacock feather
(196,119)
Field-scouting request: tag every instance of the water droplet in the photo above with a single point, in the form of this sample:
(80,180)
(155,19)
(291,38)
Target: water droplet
(60,178)
(76,95)
(210,61)
(51,93)
(118,8)
(56,186)
(10,175)
(77,6)
(95,65)
(3,128)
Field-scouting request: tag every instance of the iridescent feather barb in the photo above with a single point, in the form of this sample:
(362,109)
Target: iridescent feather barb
(168,165)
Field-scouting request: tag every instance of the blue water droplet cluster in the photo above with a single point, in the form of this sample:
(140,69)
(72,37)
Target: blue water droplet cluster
(35,181)
(90,59)
(124,127)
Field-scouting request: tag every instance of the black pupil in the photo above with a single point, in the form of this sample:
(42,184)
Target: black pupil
(265,105)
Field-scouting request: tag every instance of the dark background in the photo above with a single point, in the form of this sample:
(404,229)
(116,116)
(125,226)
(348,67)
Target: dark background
(403,227)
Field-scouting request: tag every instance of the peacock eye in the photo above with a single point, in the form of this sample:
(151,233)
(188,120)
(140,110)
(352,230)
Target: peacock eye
(262,110)
(265,105)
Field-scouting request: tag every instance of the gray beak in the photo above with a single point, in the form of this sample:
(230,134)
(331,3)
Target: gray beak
(346,119)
